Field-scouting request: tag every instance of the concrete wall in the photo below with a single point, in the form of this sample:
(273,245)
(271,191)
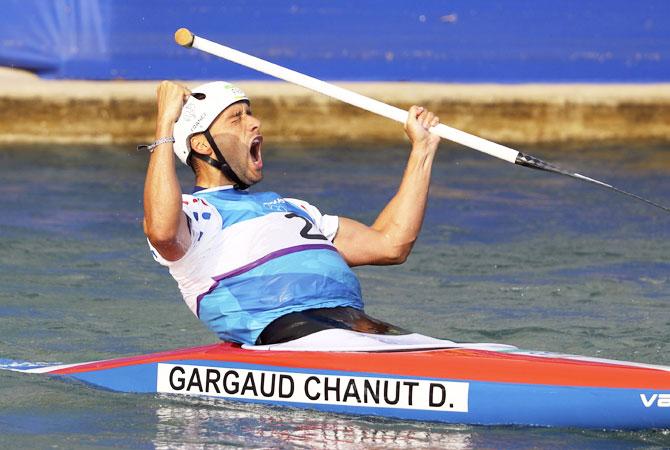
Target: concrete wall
(36,110)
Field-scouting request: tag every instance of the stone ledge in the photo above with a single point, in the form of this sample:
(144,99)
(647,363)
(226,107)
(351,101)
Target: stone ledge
(33,110)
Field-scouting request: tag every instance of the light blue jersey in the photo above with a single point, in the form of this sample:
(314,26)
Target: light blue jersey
(256,257)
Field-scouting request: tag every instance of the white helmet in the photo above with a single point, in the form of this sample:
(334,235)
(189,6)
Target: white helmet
(203,106)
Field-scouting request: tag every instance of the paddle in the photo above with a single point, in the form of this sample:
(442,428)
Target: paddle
(187,39)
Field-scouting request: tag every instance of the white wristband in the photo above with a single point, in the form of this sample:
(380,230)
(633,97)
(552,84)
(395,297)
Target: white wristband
(151,147)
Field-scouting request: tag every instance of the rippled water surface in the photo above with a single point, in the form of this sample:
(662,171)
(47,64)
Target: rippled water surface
(507,255)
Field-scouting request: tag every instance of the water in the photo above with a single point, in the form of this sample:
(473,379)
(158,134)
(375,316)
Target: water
(507,254)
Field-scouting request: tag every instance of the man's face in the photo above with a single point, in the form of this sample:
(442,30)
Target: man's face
(237,134)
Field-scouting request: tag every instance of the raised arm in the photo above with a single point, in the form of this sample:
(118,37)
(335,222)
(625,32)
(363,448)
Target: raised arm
(164,222)
(391,238)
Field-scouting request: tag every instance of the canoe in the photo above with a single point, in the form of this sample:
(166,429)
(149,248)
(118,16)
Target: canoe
(478,386)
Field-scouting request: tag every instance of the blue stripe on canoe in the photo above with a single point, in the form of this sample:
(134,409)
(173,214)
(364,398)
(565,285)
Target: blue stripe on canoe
(490,403)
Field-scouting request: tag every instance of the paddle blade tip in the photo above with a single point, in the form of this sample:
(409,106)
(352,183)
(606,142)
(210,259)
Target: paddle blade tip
(184,37)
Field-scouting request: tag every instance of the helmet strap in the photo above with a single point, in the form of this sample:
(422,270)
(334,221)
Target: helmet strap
(221,164)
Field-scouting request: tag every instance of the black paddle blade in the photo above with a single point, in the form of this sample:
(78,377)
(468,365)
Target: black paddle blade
(536,163)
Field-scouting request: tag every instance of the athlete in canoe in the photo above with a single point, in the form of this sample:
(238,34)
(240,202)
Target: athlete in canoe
(259,268)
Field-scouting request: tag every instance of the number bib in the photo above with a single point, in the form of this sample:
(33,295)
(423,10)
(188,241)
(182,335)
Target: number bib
(256,257)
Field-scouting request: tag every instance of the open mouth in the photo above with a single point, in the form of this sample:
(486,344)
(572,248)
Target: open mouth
(255,151)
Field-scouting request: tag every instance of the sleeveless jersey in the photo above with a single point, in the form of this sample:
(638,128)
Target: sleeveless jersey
(255,257)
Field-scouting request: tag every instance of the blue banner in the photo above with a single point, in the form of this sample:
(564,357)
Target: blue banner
(390,40)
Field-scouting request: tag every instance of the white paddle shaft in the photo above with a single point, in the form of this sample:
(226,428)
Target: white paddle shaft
(345,95)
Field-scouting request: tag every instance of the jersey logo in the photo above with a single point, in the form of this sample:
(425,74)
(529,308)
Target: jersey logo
(278,204)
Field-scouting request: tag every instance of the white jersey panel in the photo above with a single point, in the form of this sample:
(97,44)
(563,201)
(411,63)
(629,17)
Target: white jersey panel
(327,224)
(216,251)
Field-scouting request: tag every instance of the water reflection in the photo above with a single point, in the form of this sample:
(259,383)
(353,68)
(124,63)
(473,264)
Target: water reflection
(208,423)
